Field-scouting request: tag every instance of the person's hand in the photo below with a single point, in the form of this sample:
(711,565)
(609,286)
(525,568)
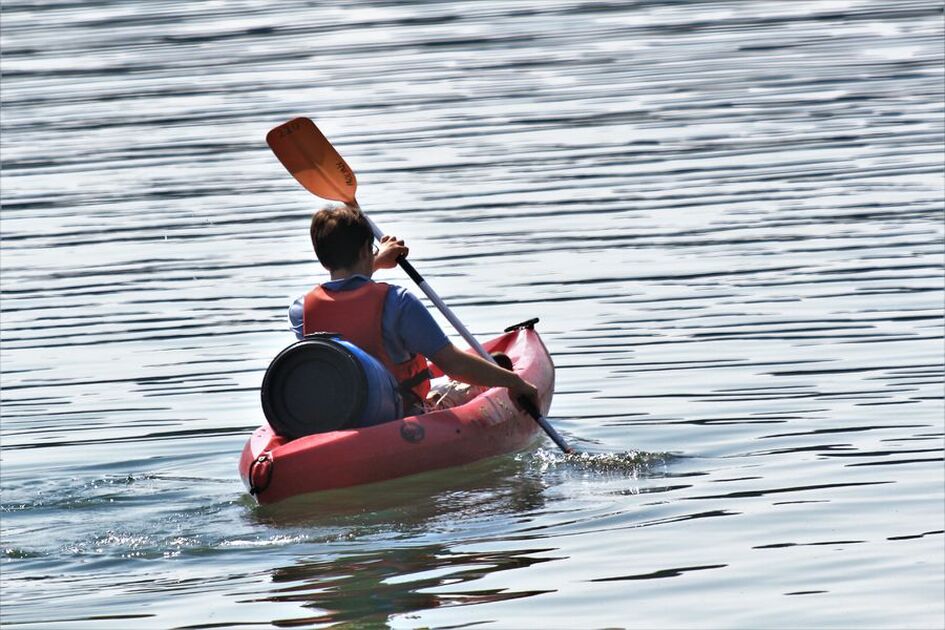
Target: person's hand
(389,251)
(524,389)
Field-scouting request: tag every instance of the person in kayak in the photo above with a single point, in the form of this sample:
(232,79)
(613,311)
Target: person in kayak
(386,321)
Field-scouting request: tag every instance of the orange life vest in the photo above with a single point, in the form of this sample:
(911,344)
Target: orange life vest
(356,315)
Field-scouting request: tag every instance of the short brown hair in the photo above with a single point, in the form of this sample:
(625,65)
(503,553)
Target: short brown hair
(338,234)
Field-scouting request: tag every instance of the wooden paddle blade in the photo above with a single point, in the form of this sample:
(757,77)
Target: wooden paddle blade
(311,159)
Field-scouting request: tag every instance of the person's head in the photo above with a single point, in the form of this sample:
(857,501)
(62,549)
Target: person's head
(340,236)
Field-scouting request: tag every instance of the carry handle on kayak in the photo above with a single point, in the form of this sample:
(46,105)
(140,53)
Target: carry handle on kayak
(316,164)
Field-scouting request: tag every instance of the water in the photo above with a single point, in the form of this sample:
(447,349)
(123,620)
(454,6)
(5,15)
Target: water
(728,215)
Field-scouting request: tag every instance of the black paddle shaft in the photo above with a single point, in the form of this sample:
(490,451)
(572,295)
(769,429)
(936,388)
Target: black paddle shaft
(410,270)
(540,419)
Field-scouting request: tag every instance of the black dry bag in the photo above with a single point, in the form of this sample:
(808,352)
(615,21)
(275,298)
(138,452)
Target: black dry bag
(324,383)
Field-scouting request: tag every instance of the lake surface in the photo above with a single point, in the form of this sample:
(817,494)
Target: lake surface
(728,216)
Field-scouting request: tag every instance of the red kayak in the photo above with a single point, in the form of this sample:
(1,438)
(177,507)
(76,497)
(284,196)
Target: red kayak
(274,468)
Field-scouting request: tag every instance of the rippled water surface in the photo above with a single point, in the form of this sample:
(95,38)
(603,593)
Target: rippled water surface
(728,216)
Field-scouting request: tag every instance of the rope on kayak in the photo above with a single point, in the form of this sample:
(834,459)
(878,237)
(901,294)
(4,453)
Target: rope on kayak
(260,468)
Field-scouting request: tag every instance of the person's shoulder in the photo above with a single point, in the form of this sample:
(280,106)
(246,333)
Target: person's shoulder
(403,301)
(396,290)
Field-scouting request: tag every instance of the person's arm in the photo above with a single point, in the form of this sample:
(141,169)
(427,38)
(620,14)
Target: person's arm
(469,368)
(296,317)
(423,335)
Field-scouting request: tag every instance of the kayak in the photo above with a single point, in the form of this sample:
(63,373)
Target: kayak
(274,468)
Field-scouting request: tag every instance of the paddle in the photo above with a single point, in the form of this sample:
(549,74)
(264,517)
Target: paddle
(314,162)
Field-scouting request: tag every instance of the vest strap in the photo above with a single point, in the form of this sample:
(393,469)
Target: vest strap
(406,386)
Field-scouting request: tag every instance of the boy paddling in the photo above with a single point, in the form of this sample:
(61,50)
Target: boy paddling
(384,320)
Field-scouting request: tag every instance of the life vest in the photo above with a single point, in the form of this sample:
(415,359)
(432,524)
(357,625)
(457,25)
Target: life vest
(356,315)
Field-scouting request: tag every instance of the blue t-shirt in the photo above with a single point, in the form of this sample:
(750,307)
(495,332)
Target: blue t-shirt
(407,328)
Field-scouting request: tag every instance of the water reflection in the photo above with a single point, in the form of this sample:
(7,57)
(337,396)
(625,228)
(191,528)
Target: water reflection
(369,588)
(495,487)
(396,520)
